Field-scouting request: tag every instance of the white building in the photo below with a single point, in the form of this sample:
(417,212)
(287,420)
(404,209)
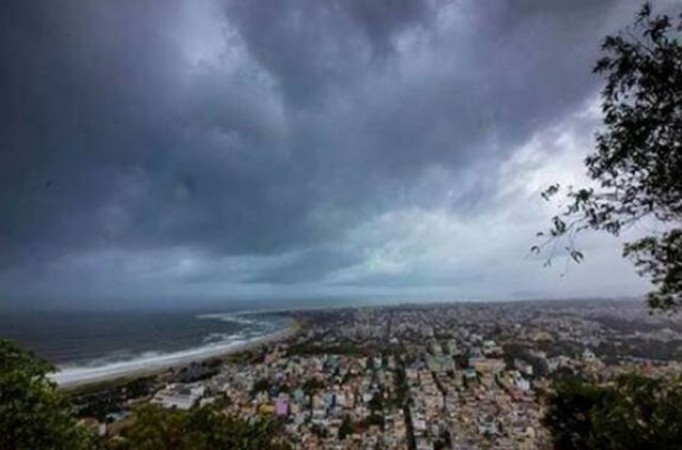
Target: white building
(179,396)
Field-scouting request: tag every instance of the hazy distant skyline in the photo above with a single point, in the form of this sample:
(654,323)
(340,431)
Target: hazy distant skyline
(166,150)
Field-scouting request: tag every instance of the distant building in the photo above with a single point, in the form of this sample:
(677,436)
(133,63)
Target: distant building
(489,366)
(282,407)
(435,348)
(523,367)
(179,396)
(589,356)
(523,385)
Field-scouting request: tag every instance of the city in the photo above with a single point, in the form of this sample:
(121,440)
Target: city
(346,224)
(456,376)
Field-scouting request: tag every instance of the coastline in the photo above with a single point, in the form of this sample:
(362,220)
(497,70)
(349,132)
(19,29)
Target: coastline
(98,375)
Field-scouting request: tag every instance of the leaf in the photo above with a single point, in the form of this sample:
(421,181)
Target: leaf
(577,256)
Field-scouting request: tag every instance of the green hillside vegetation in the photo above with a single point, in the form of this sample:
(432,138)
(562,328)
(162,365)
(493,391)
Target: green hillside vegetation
(35,414)
(635,412)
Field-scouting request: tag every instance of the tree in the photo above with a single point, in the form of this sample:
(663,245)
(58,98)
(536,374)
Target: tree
(637,163)
(347,428)
(569,414)
(33,413)
(635,412)
(263,384)
(376,404)
(205,428)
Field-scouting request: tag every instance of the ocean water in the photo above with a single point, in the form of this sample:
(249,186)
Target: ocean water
(89,346)
(95,345)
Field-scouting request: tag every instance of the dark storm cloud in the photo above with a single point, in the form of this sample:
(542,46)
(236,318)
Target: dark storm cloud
(308,120)
(105,145)
(314,46)
(306,266)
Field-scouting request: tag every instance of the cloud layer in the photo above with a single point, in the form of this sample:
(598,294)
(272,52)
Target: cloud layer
(226,148)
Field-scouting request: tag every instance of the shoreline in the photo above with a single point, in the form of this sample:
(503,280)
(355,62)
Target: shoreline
(90,376)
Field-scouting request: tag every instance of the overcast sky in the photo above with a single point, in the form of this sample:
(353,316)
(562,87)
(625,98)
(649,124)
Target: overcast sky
(209,149)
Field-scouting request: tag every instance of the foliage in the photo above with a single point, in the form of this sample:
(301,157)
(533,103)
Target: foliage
(347,428)
(319,431)
(373,419)
(33,413)
(205,428)
(635,412)
(401,389)
(637,163)
(106,398)
(263,384)
(569,415)
(312,385)
(376,403)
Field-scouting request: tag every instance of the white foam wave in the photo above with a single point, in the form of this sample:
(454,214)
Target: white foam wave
(222,337)
(144,362)
(123,363)
(227,317)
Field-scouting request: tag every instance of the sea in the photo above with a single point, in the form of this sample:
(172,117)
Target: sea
(88,346)
(100,344)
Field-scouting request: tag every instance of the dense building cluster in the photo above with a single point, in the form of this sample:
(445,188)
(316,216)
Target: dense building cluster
(446,376)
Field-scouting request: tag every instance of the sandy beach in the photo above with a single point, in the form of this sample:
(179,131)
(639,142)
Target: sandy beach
(70,378)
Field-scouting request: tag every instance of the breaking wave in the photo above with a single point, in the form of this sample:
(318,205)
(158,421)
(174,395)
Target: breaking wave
(123,363)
